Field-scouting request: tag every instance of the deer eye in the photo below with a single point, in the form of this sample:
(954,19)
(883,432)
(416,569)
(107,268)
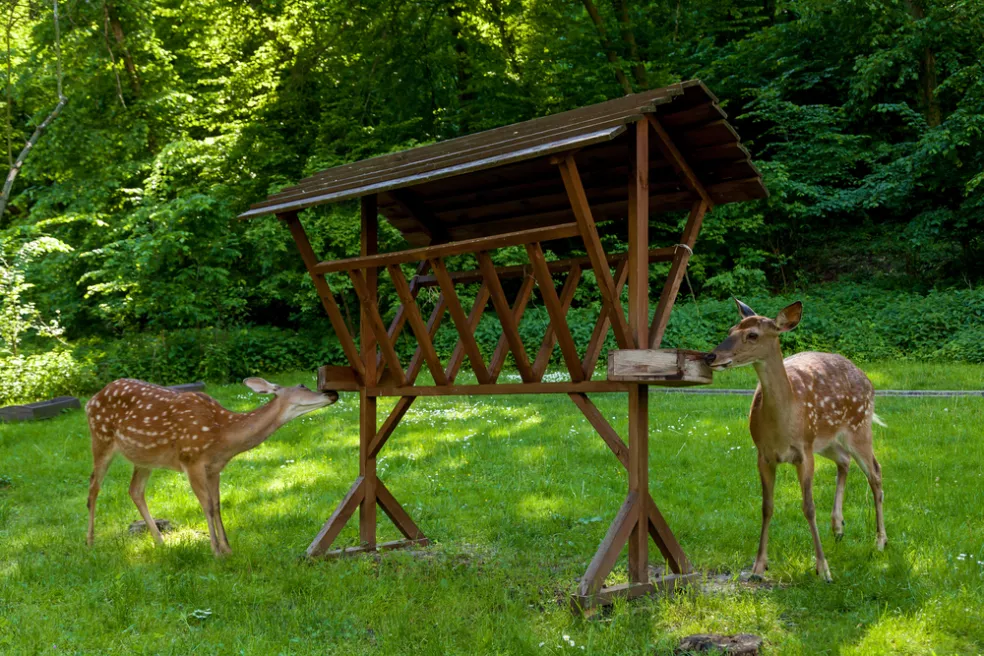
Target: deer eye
(753,336)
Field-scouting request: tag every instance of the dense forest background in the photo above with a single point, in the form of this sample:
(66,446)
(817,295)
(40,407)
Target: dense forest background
(119,248)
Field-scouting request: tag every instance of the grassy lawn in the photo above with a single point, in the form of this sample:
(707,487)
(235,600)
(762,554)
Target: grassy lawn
(516,493)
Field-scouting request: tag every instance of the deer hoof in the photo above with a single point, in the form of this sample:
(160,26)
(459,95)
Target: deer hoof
(881,542)
(838,536)
(823,571)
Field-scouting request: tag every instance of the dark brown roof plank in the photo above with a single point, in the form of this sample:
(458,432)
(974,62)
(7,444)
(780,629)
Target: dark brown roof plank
(477,165)
(440,251)
(633,104)
(455,157)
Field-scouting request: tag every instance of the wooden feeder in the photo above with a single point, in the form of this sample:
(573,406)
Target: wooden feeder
(526,184)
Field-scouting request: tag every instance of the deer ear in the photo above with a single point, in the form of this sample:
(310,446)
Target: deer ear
(789,317)
(744,310)
(260,386)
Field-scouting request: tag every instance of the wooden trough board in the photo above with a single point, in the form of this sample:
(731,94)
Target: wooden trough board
(669,367)
(39,410)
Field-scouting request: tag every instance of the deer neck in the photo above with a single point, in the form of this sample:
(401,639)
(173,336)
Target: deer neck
(777,392)
(250,429)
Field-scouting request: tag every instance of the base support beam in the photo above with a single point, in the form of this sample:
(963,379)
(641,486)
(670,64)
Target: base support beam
(383,546)
(668,584)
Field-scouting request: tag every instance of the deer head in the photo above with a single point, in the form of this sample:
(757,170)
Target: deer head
(294,401)
(754,338)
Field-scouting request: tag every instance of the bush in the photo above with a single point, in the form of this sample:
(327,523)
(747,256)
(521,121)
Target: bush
(860,322)
(26,378)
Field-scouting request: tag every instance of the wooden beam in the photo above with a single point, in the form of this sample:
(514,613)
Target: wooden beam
(461,322)
(675,157)
(374,322)
(404,403)
(400,318)
(597,341)
(638,266)
(506,318)
(666,584)
(601,425)
(542,360)
(397,514)
(382,546)
(411,204)
(337,521)
(604,559)
(557,312)
(502,388)
(474,317)
(555,266)
(518,238)
(596,252)
(366,287)
(498,358)
(417,323)
(325,293)
(677,271)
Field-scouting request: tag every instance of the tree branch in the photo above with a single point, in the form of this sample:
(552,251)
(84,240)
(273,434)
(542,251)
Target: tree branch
(628,37)
(62,100)
(607,45)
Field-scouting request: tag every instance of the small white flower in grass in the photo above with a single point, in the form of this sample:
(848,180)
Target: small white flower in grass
(542,643)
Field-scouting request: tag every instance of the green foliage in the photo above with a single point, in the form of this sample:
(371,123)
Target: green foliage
(515,493)
(866,119)
(18,315)
(26,378)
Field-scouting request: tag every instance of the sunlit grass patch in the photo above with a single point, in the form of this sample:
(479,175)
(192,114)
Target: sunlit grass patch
(516,493)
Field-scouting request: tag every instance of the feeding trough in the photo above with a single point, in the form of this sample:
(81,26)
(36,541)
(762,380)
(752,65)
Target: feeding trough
(544,181)
(40,410)
(669,367)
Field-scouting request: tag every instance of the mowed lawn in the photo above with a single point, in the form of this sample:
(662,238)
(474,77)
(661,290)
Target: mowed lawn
(516,493)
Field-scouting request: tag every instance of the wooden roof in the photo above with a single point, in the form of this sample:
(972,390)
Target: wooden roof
(502,180)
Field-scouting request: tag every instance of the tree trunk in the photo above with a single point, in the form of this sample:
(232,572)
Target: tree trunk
(628,37)
(62,100)
(19,162)
(463,68)
(117,27)
(927,72)
(607,45)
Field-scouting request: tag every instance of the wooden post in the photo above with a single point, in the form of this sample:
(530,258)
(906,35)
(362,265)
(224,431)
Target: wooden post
(367,404)
(638,265)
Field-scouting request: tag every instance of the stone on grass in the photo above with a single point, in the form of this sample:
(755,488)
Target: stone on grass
(140,526)
(742,643)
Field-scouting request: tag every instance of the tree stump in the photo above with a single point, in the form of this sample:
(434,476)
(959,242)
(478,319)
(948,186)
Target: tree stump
(742,643)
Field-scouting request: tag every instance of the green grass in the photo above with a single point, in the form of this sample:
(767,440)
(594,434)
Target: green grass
(516,493)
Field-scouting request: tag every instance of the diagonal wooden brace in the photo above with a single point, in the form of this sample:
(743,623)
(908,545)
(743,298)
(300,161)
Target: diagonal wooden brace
(595,250)
(325,293)
(498,358)
(677,271)
(377,326)
(658,529)
(557,311)
(506,318)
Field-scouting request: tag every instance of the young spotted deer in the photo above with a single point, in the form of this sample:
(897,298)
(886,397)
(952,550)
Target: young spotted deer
(154,428)
(808,403)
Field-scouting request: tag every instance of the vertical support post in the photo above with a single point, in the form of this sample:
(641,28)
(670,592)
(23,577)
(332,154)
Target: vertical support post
(638,266)
(367,404)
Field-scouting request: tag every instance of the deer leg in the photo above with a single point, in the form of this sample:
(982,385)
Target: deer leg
(199,485)
(843,460)
(137,486)
(213,490)
(102,455)
(804,470)
(767,474)
(865,457)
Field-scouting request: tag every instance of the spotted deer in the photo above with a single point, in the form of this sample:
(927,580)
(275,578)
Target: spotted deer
(158,428)
(808,403)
